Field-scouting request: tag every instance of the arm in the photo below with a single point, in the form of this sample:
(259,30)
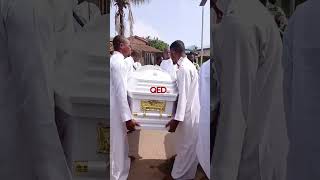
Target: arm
(119,83)
(237,61)
(183,81)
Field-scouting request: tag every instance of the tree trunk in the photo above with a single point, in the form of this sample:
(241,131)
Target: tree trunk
(121,13)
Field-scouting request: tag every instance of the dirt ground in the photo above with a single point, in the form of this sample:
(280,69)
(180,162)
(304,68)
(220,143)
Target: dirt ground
(152,155)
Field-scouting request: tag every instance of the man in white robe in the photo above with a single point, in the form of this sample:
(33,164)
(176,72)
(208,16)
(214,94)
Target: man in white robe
(302,91)
(203,147)
(30,145)
(133,61)
(136,55)
(130,63)
(186,119)
(120,114)
(167,64)
(136,65)
(251,141)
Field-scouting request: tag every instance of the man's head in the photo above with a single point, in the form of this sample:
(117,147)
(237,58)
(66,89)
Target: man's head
(166,53)
(191,57)
(136,55)
(158,60)
(122,45)
(177,50)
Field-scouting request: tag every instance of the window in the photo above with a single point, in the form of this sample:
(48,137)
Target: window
(149,59)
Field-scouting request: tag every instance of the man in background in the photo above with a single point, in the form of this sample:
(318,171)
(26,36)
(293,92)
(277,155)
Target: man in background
(120,114)
(186,119)
(158,61)
(167,64)
(136,55)
(302,87)
(133,60)
(192,58)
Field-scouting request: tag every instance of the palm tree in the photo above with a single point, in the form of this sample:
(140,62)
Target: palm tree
(119,16)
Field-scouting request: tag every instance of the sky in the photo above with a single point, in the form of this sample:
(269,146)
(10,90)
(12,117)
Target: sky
(169,20)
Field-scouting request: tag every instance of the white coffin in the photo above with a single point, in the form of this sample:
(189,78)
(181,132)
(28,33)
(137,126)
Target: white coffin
(81,97)
(152,110)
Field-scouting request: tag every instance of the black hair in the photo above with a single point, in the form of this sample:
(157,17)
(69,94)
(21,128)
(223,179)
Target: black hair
(178,46)
(117,41)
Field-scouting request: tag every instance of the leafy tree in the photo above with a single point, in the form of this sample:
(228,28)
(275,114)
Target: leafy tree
(157,43)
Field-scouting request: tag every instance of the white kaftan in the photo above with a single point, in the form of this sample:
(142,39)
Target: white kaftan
(188,111)
(203,147)
(251,141)
(119,114)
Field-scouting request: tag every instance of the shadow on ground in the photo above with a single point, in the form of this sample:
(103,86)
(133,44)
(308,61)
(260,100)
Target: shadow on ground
(152,155)
(155,169)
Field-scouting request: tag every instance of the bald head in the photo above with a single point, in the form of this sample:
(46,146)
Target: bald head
(122,45)
(166,53)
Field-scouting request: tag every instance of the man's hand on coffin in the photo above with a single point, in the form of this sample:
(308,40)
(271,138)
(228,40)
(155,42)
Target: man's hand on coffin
(173,124)
(131,125)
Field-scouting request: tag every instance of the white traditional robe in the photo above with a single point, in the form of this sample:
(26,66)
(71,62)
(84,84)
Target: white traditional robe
(119,114)
(168,66)
(129,63)
(301,60)
(136,65)
(30,145)
(188,111)
(251,141)
(203,147)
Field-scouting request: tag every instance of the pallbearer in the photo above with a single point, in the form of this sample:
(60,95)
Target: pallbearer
(120,114)
(185,122)
(167,64)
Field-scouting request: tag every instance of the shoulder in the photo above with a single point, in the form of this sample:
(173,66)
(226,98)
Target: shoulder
(205,68)
(187,67)
(116,60)
(163,62)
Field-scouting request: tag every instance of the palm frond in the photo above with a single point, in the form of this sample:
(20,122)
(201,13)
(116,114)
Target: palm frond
(130,19)
(139,2)
(117,23)
(119,16)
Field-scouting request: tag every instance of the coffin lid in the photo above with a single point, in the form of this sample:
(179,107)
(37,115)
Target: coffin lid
(140,81)
(81,79)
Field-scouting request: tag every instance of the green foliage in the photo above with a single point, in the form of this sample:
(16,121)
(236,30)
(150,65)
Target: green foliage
(157,43)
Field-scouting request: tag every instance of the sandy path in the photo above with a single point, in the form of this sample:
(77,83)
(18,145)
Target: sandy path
(153,151)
